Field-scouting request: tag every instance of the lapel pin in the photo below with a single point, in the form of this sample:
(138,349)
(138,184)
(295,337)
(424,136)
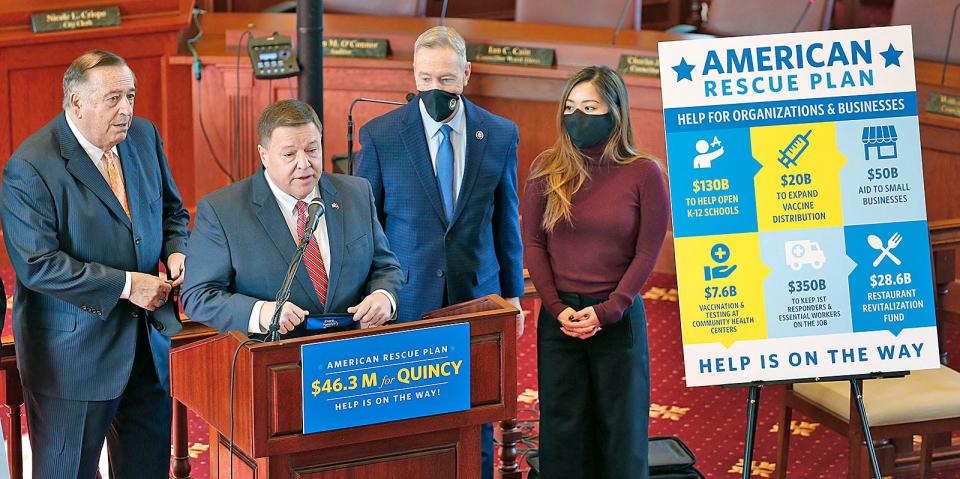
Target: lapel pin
(479,135)
(335,206)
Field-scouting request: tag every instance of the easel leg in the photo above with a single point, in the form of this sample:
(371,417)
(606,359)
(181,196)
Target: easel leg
(783,436)
(753,407)
(856,393)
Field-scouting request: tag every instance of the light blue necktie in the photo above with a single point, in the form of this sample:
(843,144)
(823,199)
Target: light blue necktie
(445,170)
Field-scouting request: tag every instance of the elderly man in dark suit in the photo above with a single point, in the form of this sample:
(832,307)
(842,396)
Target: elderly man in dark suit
(444,174)
(89,211)
(246,234)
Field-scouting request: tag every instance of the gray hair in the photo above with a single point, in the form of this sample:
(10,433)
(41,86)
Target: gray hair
(442,37)
(76,74)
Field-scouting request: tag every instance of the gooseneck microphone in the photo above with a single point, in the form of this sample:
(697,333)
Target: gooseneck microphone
(350,124)
(314,212)
(623,17)
(802,15)
(946,55)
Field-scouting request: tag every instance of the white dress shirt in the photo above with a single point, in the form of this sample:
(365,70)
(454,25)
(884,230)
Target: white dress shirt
(458,138)
(96,156)
(287,204)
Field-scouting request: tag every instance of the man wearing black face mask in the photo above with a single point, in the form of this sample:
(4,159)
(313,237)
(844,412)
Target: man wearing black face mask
(444,177)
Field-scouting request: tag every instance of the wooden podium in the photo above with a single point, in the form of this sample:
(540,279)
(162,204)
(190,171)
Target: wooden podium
(267,417)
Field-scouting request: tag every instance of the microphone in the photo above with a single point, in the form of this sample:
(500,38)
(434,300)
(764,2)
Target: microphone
(803,15)
(314,211)
(623,16)
(443,13)
(946,56)
(350,124)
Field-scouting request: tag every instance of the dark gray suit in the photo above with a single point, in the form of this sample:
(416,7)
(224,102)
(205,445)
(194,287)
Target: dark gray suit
(240,248)
(88,359)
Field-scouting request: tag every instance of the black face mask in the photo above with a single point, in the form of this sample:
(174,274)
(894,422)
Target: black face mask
(440,104)
(587,130)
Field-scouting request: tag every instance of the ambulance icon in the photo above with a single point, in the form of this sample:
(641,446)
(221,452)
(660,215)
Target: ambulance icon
(801,252)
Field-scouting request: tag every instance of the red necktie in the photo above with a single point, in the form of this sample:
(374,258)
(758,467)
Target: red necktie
(312,258)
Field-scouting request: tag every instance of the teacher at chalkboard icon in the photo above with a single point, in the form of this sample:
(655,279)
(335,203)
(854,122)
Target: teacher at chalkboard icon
(707,153)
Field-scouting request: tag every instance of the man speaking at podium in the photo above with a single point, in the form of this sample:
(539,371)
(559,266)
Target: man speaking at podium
(246,234)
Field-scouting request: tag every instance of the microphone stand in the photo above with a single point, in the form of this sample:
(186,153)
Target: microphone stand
(350,126)
(273,334)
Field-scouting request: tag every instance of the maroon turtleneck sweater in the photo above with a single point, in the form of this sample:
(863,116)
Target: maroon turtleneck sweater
(619,220)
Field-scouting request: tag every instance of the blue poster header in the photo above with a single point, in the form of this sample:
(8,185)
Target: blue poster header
(745,115)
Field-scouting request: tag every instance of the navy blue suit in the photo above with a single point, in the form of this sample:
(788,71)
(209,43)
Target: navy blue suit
(240,248)
(479,252)
(84,354)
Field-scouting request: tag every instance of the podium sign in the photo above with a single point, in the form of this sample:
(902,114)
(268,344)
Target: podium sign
(386,377)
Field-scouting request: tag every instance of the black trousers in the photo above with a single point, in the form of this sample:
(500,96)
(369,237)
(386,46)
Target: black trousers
(594,397)
(67,436)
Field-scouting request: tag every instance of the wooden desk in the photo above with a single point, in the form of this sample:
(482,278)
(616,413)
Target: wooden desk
(11,396)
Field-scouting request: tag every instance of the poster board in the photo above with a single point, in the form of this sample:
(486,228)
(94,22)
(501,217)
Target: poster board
(798,206)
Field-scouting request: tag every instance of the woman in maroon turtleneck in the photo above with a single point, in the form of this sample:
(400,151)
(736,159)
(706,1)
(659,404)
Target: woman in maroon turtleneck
(594,216)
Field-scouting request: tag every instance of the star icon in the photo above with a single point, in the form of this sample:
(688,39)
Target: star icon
(891,56)
(684,70)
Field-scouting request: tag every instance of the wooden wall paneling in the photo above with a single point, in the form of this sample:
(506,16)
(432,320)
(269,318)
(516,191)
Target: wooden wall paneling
(35,100)
(490,9)
(941,153)
(177,125)
(941,174)
(33,81)
(17,12)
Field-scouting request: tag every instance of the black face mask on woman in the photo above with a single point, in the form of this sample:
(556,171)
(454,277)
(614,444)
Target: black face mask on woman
(587,130)
(440,104)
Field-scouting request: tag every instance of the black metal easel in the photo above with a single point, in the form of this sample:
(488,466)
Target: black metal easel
(753,408)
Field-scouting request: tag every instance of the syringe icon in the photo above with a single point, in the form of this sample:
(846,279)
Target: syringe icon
(790,154)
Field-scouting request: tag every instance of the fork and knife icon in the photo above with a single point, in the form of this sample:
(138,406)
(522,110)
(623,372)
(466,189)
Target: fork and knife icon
(876,243)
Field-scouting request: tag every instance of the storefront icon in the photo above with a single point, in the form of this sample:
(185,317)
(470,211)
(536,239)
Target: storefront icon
(879,142)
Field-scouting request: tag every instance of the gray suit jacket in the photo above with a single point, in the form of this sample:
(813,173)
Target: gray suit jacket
(240,248)
(70,243)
